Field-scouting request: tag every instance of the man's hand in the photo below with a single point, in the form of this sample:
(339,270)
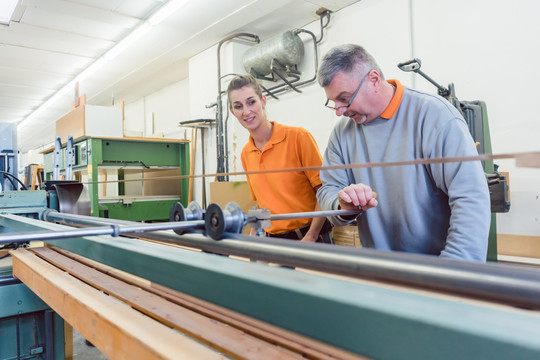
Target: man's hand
(355,195)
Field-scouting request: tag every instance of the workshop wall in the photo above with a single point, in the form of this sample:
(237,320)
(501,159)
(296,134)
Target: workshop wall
(484,47)
(159,113)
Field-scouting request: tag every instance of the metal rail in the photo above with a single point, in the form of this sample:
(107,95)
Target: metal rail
(501,283)
(106,229)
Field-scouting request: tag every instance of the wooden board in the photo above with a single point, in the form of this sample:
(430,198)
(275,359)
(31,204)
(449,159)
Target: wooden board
(71,124)
(114,327)
(97,300)
(518,245)
(311,349)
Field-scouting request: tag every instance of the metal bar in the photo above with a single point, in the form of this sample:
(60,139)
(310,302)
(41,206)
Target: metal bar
(9,281)
(311,214)
(69,158)
(57,149)
(112,230)
(494,282)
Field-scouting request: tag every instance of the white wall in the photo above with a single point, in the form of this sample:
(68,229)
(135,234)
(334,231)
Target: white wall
(160,112)
(486,48)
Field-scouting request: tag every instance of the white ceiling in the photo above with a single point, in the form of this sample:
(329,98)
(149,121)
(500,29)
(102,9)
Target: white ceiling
(49,42)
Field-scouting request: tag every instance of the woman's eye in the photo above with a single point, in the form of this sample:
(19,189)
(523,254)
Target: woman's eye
(237,107)
(251,102)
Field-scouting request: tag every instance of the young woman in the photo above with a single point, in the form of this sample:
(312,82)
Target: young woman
(275,146)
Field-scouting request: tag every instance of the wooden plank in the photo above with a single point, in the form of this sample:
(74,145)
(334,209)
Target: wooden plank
(118,330)
(310,348)
(227,339)
(71,124)
(518,245)
(530,160)
(68,341)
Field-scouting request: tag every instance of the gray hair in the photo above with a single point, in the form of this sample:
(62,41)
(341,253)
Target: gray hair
(346,58)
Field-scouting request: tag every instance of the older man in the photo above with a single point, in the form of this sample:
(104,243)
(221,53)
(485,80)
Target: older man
(440,208)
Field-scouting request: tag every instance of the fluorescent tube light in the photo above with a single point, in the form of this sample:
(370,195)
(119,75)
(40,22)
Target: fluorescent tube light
(127,41)
(161,14)
(7,7)
(165,11)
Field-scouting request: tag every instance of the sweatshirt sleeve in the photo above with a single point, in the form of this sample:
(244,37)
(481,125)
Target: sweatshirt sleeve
(468,194)
(334,180)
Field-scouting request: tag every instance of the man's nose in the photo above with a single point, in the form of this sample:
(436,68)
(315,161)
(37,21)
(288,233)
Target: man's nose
(341,110)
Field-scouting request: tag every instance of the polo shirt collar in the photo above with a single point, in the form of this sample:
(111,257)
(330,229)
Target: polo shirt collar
(390,111)
(278,135)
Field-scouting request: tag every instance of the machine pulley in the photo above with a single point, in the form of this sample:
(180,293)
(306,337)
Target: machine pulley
(193,212)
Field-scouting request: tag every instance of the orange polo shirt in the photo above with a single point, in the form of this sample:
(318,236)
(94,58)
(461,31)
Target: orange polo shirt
(284,192)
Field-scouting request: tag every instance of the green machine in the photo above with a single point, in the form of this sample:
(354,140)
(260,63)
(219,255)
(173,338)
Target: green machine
(29,329)
(331,304)
(364,318)
(475,114)
(87,156)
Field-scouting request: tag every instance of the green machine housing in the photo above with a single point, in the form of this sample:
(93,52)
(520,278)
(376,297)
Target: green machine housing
(124,155)
(29,328)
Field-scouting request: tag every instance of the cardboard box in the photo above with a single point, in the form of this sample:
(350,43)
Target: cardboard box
(162,187)
(91,120)
(222,192)
(518,245)
(346,235)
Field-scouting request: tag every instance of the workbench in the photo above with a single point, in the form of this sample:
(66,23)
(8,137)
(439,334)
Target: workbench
(125,157)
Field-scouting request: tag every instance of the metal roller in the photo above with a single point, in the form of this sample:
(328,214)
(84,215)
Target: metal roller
(501,283)
(193,212)
(286,48)
(219,221)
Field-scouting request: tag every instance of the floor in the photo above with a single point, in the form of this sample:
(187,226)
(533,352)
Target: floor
(83,351)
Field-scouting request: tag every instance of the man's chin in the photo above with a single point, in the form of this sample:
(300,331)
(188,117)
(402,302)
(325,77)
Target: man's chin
(359,119)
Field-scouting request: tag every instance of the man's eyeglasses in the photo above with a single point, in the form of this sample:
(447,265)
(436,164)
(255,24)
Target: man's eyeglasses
(352,98)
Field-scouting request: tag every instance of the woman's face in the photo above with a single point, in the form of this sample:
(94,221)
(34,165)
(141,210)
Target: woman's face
(248,107)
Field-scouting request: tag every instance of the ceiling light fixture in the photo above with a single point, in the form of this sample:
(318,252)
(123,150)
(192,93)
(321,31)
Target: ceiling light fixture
(7,7)
(161,14)
(165,11)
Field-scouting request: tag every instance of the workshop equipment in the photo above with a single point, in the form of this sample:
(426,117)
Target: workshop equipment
(284,50)
(475,115)
(122,156)
(343,318)
(29,328)
(232,219)
(148,294)
(8,156)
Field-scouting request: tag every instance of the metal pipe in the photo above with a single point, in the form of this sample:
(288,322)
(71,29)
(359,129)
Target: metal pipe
(313,214)
(110,229)
(9,280)
(507,284)
(222,167)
